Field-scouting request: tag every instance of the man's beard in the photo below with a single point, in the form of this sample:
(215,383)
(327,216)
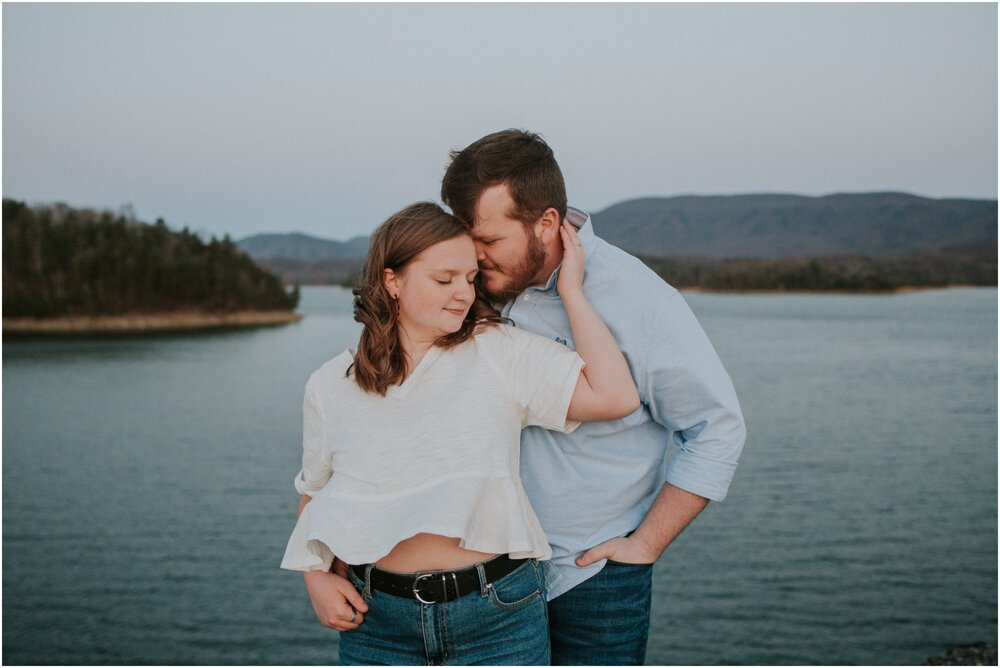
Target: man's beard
(521,276)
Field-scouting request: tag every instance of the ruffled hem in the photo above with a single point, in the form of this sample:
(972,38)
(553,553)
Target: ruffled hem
(486,515)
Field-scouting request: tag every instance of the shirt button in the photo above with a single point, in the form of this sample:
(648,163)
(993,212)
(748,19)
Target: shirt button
(527,298)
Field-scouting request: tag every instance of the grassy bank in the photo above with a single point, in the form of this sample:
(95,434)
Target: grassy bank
(144,323)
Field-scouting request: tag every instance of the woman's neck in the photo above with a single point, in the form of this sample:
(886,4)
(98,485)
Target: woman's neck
(414,348)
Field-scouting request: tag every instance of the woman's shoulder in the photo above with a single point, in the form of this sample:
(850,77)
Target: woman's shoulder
(333,372)
(503,339)
(490,335)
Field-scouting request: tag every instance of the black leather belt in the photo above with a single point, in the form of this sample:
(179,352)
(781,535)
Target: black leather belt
(437,586)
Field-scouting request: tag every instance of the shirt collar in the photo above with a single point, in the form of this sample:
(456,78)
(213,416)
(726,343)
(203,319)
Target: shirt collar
(587,238)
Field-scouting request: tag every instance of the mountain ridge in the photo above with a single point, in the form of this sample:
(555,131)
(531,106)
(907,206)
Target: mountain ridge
(782,225)
(762,225)
(301,246)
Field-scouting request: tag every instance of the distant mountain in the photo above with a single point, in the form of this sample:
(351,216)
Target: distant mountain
(334,271)
(774,226)
(735,226)
(297,246)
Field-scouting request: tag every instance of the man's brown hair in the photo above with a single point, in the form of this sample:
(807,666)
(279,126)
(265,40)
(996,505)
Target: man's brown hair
(521,160)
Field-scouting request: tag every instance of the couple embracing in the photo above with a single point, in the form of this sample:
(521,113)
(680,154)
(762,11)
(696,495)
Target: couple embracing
(484,478)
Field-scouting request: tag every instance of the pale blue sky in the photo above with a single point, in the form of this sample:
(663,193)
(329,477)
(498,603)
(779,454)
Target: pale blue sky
(246,118)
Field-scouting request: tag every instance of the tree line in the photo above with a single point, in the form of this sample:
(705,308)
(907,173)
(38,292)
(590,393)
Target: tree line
(63,261)
(970,265)
(974,265)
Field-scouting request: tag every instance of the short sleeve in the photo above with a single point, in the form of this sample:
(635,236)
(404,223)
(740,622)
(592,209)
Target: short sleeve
(316,469)
(540,374)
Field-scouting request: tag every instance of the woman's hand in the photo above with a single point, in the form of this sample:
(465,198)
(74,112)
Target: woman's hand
(605,389)
(337,603)
(571,271)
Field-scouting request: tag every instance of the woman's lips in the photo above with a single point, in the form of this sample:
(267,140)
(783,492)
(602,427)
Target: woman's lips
(456,311)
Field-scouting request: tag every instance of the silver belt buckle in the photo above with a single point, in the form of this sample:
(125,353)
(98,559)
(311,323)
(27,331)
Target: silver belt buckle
(416,586)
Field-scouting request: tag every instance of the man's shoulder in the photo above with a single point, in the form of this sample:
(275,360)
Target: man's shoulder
(610,268)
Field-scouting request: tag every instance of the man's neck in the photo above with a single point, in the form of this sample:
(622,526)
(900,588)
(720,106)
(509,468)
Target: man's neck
(553,258)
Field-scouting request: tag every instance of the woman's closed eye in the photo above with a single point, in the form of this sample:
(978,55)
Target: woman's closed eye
(470,279)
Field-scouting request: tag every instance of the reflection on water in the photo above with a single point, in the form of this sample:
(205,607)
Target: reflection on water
(147,490)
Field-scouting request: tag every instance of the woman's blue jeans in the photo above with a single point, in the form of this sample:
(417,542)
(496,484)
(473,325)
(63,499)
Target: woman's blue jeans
(502,624)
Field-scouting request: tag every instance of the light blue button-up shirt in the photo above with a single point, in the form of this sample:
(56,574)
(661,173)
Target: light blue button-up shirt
(599,481)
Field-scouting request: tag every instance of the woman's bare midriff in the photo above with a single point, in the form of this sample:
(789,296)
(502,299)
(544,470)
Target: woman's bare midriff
(430,552)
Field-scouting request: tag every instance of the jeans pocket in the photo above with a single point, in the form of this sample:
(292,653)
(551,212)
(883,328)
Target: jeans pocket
(514,591)
(358,583)
(634,567)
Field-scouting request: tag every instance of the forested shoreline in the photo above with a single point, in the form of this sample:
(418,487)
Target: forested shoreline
(64,262)
(975,266)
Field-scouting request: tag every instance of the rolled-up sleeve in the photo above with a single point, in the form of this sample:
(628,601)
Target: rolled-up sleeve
(316,470)
(689,392)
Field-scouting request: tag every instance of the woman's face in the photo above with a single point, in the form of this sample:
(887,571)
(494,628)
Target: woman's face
(435,289)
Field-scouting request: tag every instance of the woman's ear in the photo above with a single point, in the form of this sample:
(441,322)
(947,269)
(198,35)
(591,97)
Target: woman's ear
(390,282)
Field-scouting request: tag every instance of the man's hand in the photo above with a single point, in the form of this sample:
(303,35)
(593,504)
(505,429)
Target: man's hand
(337,603)
(623,550)
(673,510)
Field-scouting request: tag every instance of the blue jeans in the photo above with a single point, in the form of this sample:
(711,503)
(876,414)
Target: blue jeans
(603,620)
(504,624)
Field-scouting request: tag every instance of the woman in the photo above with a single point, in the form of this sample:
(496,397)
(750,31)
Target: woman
(411,445)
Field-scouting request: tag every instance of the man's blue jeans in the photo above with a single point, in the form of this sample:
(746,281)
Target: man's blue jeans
(603,620)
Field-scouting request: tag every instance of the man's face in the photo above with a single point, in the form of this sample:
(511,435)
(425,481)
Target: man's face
(510,258)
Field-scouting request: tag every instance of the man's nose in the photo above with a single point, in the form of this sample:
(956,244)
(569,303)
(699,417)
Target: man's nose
(480,250)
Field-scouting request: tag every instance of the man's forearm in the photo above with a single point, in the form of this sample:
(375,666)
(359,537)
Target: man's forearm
(672,511)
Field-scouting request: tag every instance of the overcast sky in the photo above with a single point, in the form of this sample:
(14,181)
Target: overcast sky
(246,118)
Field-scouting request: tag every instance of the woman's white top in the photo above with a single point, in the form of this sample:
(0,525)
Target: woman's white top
(438,454)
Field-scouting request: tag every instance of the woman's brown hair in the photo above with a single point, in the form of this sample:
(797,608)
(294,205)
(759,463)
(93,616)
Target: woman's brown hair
(380,361)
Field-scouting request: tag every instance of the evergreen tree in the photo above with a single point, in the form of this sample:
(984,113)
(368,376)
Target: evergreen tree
(62,261)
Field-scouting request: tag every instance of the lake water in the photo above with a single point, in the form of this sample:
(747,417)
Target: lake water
(147,490)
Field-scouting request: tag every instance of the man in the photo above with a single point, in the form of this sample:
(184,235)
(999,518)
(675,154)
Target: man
(607,502)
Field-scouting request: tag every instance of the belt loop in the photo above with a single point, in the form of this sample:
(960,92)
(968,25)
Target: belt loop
(483,591)
(367,593)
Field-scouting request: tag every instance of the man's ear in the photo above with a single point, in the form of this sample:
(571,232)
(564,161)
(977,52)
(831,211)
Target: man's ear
(390,282)
(547,227)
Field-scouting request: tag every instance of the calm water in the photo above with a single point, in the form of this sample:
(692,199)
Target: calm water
(147,490)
